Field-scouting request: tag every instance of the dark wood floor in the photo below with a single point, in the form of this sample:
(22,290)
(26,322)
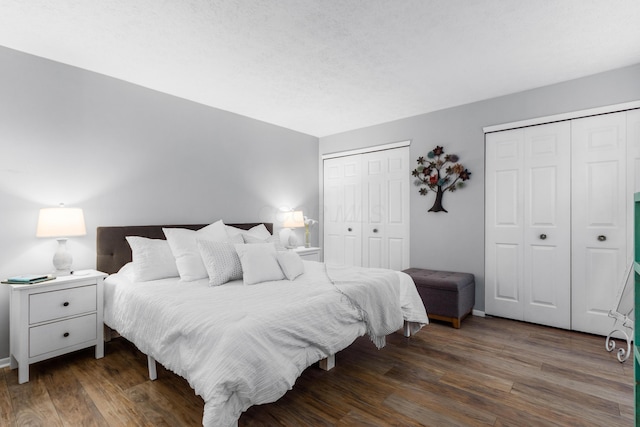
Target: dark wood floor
(492,371)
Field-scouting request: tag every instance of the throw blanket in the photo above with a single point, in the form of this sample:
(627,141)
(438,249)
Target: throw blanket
(376,296)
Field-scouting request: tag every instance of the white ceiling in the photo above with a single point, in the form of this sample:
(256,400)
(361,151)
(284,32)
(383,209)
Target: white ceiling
(327,66)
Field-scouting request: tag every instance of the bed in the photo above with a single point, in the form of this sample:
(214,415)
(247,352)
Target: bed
(245,342)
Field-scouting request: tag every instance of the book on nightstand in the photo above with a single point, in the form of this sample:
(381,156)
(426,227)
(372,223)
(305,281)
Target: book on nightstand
(28,279)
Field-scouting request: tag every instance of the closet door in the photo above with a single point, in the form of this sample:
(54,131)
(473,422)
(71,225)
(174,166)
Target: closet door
(599,221)
(343,211)
(547,224)
(504,228)
(385,201)
(527,271)
(366,209)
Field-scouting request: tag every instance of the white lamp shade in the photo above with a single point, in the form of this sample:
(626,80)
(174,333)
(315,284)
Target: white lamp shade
(61,222)
(294,219)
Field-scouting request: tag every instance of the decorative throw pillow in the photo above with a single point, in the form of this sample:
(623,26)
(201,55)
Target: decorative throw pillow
(271,239)
(260,231)
(221,261)
(290,263)
(236,238)
(259,263)
(183,245)
(152,259)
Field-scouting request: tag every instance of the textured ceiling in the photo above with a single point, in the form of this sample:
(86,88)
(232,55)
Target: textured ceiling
(327,66)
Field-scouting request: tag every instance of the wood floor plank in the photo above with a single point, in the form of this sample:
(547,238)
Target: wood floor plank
(73,405)
(109,397)
(33,406)
(156,408)
(6,410)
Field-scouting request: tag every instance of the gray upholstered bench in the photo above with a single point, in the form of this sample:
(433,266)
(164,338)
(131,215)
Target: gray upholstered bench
(446,295)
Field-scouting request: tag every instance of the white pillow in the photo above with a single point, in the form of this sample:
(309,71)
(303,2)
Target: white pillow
(290,263)
(152,259)
(127,271)
(236,238)
(271,239)
(260,231)
(259,263)
(183,245)
(221,261)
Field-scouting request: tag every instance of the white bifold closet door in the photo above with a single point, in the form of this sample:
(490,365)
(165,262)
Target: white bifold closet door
(600,204)
(366,209)
(343,211)
(528,242)
(559,219)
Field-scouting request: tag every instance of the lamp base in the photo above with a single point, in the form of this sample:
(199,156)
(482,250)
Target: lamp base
(62,259)
(288,238)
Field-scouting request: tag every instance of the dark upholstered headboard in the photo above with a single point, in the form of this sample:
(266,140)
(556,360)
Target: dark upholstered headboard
(113,251)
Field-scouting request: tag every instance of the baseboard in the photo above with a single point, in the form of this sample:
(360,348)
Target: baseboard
(478,313)
(4,362)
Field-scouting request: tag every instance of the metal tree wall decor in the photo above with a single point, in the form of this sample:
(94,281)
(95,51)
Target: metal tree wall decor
(440,173)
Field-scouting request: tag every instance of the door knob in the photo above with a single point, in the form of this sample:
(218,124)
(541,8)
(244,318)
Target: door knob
(543,236)
(602,238)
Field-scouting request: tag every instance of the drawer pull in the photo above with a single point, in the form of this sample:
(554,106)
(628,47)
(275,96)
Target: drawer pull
(66,303)
(543,236)
(349,229)
(602,238)
(66,334)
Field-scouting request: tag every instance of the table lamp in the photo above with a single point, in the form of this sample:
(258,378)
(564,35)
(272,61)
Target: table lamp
(61,223)
(293,219)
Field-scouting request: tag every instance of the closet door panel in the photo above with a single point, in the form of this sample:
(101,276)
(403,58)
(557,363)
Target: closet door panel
(398,218)
(375,209)
(386,177)
(547,225)
(633,176)
(342,211)
(507,275)
(333,213)
(504,224)
(599,219)
(397,227)
(350,249)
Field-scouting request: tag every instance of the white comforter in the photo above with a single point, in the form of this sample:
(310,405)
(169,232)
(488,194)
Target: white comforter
(239,345)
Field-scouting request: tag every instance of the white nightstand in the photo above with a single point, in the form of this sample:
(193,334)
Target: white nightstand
(308,254)
(55,317)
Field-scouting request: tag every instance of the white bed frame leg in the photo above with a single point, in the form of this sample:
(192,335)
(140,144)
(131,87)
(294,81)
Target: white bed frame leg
(151,364)
(328,363)
(406,329)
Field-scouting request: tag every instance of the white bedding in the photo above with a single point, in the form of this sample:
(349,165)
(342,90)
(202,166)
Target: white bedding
(240,345)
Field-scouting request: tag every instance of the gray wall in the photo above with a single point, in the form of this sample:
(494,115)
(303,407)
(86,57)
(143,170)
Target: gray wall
(455,240)
(129,156)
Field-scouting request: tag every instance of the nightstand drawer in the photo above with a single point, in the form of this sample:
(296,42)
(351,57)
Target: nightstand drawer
(58,304)
(55,336)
